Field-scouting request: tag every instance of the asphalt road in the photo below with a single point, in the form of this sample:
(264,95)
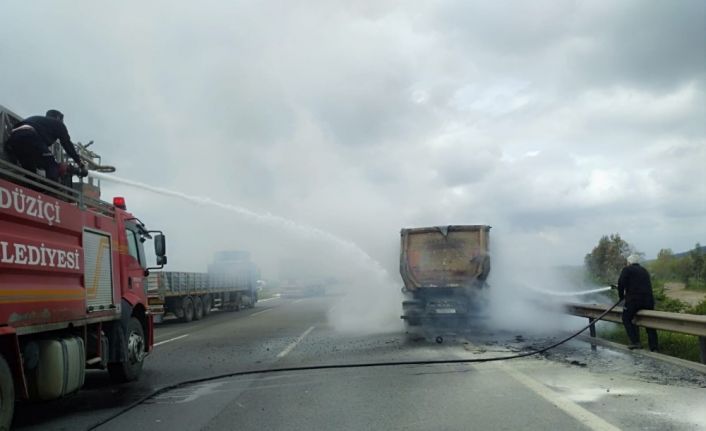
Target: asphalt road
(570,388)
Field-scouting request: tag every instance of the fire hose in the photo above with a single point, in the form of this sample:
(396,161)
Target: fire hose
(88,157)
(346,366)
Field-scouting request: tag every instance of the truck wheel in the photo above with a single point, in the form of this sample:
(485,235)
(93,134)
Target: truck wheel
(207,304)
(132,368)
(234,304)
(198,308)
(188,306)
(7,395)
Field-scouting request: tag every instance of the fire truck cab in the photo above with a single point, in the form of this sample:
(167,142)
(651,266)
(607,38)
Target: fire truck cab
(72,286)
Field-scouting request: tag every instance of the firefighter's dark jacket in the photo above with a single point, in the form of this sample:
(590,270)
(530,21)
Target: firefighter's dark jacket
(635,287)
(50,129)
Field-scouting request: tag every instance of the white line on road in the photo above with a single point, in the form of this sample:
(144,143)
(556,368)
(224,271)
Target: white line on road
(587,418)
(574,410)
(170,340)
(260,312)
(289,348)
(267,299)
(298,300)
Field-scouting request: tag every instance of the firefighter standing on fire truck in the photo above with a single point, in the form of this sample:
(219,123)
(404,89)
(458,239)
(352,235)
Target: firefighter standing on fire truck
(31,138)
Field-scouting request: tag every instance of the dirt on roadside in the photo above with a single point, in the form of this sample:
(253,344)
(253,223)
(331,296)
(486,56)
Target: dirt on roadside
(678,291)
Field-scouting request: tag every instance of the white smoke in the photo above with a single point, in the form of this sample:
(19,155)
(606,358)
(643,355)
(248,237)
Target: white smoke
(370,298)
(528,293)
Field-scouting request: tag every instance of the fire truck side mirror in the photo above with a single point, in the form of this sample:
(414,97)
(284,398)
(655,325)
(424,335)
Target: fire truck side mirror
(161,260)
(160,247)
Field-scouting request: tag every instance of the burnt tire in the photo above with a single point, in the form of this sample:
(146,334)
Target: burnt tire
(198,308)
(207,304)
(7,395)
(187,305)
(129,370)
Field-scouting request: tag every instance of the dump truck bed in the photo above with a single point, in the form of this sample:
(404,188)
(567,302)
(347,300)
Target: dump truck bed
(444,256)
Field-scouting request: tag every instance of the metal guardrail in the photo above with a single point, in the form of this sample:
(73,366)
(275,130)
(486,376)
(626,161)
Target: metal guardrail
(689,324)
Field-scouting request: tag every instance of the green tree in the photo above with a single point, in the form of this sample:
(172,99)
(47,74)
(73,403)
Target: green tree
(663,267)
(697,264)
(607,259)
(682,268)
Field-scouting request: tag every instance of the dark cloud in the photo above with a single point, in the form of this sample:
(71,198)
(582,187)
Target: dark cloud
(653,44)
(556,123)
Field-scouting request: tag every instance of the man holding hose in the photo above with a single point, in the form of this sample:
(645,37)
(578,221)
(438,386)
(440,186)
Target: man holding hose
(635,287)
(31,138)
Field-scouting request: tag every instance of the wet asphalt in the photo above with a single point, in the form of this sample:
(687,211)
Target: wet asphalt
(571,387)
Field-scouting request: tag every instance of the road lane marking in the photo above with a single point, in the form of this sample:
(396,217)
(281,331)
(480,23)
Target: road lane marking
(170,340)
(260,312)
(298,300)
(574,410)
(587,418)
(267,299)
(292,345)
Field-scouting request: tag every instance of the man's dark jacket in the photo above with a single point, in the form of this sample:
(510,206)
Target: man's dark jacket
(50,129)
(635,286)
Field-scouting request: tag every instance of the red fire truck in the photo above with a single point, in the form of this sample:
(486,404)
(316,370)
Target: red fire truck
(72,291)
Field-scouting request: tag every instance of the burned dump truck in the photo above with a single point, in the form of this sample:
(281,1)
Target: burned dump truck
(444,270)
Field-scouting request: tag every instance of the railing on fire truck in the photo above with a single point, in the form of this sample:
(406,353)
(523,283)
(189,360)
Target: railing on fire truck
(66,193)
(23,177)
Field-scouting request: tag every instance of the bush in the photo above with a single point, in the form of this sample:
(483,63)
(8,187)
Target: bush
(699,308)
(671,305)
(665,303)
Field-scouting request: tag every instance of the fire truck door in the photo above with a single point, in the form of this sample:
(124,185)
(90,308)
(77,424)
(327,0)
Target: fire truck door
(98,270)
(136,262)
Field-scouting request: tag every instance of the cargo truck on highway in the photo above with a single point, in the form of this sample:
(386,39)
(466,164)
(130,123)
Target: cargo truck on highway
(231,283)
(444,270)
(72,297)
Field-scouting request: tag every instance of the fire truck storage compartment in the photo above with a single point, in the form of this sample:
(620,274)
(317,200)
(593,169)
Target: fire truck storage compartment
(97,264)
(60,370)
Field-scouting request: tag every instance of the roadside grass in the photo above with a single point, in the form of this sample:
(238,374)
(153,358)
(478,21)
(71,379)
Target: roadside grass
(670,343)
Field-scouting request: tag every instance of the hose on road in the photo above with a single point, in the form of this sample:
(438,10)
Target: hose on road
(346,366)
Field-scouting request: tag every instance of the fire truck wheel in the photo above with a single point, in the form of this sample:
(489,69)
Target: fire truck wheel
(7,395)
(207,304)
(198,308)
(188,306)
(132,368)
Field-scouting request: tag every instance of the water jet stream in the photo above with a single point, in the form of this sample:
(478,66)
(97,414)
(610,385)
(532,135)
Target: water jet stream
(267,218)
(582,292)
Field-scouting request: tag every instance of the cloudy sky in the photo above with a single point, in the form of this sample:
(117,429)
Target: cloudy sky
(554,122)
